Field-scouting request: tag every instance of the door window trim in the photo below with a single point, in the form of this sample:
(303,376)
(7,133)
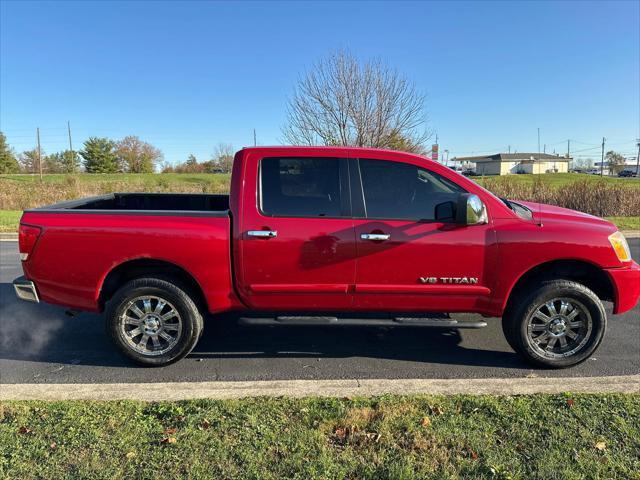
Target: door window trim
(359,203)
(343,185)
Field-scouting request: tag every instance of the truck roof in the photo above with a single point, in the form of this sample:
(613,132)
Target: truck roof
(348,149)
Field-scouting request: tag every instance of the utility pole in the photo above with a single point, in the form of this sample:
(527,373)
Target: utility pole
(509,148)
(602,159)
(255,143)
(73,155)
(638,158)
(568,152)
(39,153)
(69,131)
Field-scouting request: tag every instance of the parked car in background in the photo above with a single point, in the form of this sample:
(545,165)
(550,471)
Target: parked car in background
(330,236)
(627,173)
(593,171)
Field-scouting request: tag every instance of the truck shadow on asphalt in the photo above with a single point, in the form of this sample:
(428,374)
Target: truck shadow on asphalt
(43,333)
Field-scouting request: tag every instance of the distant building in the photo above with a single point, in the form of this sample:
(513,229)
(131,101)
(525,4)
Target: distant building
(508,163)
(629,164)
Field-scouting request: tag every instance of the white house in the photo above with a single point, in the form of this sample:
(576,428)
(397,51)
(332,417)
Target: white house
(508,163)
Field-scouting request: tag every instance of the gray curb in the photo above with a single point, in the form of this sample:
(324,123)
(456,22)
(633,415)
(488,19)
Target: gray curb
(321,388)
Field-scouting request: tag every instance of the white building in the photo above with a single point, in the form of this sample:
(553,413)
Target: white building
(510,163)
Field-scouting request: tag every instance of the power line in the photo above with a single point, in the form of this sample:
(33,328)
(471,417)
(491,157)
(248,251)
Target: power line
(39,153)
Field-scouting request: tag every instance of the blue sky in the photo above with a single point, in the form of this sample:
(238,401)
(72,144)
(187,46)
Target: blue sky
(187,75)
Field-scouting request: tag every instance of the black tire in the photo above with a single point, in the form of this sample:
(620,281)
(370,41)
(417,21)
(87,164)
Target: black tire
(526,306)
(176,299)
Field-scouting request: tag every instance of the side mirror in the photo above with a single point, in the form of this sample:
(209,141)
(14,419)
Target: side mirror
(471,210)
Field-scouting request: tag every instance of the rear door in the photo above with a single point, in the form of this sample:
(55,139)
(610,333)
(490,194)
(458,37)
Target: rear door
(297,239)
(408,260)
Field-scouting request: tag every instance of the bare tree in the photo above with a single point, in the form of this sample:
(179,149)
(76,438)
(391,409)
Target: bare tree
(222,158)
(342,101)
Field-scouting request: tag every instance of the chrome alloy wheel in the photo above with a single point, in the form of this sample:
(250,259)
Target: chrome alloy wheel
(559,328)
(150,325)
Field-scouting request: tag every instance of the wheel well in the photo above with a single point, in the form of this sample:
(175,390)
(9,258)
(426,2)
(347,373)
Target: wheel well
(585,273)
(147,267)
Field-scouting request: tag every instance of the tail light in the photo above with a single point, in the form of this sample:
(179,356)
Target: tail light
(27,238)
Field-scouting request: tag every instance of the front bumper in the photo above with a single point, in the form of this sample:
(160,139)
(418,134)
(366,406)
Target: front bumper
(626,282)
(25,290)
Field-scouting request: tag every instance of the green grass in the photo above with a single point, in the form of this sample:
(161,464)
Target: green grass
(519,437)
(626,223)
(559,179)
(9,220)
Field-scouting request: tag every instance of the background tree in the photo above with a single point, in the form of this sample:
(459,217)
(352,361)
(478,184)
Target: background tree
(29,161)
(192,163)
(99,156)
(613,158)
(342,101)
(8,161)
(136,156)
(166,167)
(61,162)
(52,163)
(70,161)
(222,158)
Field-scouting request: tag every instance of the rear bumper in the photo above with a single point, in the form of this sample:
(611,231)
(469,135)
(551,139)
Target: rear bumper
(25,290)
(626,283)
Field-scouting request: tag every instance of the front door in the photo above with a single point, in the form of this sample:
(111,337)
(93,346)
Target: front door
(408,260)
(297,245)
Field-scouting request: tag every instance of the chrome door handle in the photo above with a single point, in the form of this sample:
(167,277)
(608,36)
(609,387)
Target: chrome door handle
(262,233)
(375,236)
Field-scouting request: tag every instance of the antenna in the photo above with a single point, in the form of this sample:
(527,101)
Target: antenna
(533,170)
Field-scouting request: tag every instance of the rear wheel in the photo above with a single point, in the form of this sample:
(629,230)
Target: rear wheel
(153,322)
(557,325)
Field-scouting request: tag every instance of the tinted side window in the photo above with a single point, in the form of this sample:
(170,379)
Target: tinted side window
(300,187)
(402,191)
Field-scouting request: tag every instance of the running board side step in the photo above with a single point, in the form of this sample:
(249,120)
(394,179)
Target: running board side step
(368,322)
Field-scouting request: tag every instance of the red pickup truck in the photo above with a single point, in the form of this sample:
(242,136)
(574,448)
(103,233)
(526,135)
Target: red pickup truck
(335,236)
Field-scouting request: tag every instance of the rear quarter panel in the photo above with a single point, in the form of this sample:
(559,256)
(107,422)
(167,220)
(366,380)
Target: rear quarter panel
(76,251)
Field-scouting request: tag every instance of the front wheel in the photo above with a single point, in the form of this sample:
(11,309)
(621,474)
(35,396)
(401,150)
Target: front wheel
(153,322)
(557,325)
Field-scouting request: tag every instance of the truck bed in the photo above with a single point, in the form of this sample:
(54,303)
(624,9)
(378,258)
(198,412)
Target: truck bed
(141,202)
(99,234)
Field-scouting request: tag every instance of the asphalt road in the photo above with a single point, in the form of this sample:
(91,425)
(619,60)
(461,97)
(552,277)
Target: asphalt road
(40,344)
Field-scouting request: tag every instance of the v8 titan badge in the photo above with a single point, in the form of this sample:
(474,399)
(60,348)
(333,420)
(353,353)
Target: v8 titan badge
(449,280)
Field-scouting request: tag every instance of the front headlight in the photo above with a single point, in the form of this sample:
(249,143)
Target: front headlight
(620,246)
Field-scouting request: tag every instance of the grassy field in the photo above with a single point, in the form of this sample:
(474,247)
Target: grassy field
(9,220)
(515,437)
(626,223)
(559,179)
(18,192)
